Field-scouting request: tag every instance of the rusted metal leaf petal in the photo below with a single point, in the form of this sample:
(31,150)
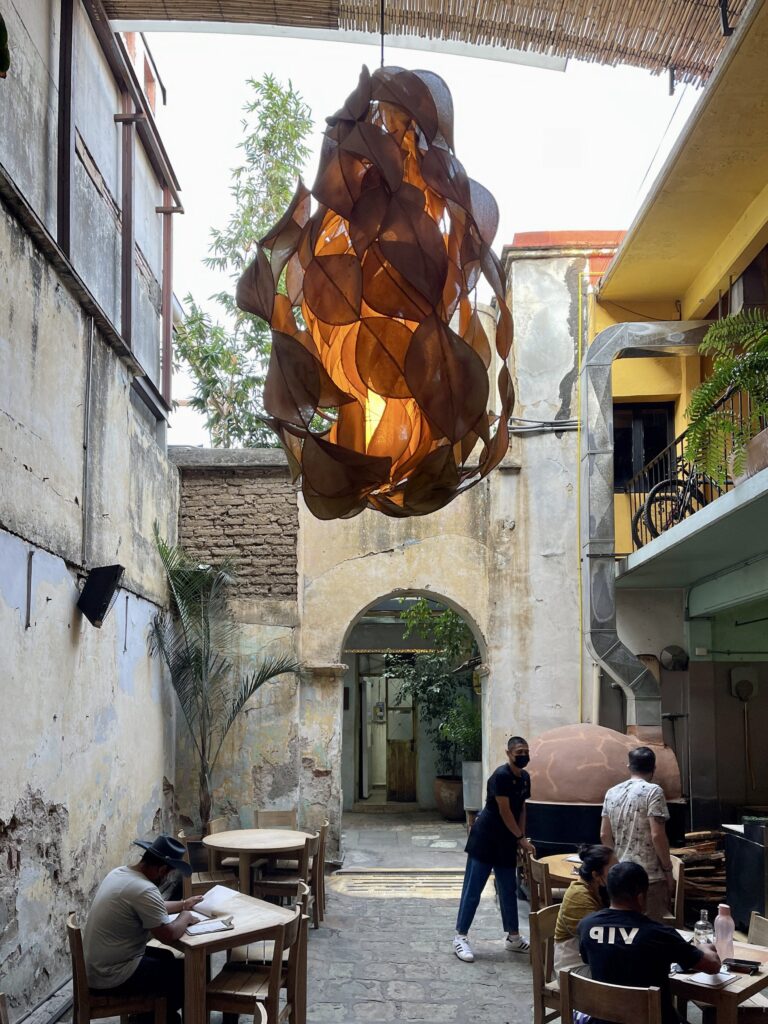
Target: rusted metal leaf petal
(256,288)
(333,288)
(382,345)
(380,149)
(446,378)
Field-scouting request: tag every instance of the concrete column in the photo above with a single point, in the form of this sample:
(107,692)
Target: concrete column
(320,725)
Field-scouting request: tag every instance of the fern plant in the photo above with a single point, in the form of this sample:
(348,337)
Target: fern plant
(200,645)
(716,440)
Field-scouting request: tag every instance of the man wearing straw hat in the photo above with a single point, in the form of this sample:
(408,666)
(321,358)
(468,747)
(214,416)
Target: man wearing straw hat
(126,910)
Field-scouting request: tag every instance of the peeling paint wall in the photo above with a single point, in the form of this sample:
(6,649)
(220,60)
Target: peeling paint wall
(88,722)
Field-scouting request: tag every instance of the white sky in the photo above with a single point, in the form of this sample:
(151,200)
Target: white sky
(558,150)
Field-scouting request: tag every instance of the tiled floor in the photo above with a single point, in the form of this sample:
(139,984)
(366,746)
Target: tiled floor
(388,956)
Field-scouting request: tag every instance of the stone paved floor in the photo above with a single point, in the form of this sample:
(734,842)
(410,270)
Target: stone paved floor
(390,959)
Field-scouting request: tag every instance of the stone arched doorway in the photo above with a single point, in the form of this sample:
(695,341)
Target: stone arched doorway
(390,755)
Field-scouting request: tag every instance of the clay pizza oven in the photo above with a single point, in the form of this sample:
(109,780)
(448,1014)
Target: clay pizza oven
(572,767)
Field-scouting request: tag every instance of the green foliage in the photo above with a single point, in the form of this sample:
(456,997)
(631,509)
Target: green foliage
(200,645)
(715,438)
(228,358)
(430,679)
(463,727)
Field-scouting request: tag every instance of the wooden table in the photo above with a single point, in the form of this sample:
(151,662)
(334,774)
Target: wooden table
(251,918)
(726,1000)
(252,843)
(561,870)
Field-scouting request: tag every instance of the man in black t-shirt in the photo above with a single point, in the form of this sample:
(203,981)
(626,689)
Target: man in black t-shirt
(492,846)
(624,947)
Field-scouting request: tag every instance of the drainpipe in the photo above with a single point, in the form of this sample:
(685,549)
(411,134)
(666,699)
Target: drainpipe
(597,530)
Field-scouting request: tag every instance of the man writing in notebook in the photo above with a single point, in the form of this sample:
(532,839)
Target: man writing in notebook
(127,910)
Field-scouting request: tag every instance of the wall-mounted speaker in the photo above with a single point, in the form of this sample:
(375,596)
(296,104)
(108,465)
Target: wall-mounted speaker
(99,593)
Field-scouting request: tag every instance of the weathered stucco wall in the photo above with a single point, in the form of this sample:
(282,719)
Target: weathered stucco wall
(87,724)
(241,506)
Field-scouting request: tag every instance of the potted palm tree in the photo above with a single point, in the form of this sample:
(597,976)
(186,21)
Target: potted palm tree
(200,645)
(718,442)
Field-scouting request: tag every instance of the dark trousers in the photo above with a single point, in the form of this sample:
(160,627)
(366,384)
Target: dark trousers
(159,973)
(475,877)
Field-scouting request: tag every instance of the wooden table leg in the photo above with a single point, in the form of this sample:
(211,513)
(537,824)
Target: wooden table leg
(726,1010)
(245,873)
(195,974)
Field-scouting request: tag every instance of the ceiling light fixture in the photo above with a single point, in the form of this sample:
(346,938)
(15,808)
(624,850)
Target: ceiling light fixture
(380,393)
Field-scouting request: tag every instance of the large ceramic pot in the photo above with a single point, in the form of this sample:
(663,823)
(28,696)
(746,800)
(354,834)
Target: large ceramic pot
(448,797)
(472,778)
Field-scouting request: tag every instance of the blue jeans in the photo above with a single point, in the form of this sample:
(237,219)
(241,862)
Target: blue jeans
(476,875)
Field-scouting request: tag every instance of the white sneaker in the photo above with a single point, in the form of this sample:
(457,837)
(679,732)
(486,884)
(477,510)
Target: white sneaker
(516,944)
(462,949)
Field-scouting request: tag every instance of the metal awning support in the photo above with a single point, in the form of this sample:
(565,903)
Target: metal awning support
(597,529)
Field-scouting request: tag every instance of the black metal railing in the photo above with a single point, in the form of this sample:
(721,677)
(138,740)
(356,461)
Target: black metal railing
(669,489)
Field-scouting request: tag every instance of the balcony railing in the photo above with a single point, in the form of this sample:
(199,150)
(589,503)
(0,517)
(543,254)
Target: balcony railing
(669,489)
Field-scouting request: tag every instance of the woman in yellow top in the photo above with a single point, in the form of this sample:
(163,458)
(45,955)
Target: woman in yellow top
(584,896)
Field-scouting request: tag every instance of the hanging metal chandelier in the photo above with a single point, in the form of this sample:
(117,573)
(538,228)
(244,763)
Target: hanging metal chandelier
(381,392)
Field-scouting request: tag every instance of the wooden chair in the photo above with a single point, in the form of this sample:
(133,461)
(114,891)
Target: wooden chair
(199,882)
(546,989)
(279,881)
(216,859)
(248,987)
(616,1003)
(261,952)
(4,1017)
(676,918)
(541,886)
(276,819)
(89,1004)
(282,867)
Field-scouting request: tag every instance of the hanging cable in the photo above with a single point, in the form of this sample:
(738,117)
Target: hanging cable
(381,29)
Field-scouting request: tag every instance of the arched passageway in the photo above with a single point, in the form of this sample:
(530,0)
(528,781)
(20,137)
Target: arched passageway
(392,747)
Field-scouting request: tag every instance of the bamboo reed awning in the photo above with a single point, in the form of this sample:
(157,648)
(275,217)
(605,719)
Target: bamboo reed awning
(657,35)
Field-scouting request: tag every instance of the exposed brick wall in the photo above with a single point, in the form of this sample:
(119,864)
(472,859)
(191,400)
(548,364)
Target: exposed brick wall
(247,515)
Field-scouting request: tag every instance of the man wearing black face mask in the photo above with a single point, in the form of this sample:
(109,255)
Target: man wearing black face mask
(492,846)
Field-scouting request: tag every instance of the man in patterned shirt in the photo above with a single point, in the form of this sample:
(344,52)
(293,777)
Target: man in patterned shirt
(634,824)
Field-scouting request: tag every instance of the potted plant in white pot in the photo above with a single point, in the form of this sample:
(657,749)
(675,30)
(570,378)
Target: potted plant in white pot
(718,442)
(463,727)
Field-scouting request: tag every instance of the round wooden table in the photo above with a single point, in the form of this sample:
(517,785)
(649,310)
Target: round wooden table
(561,870)
(252,843)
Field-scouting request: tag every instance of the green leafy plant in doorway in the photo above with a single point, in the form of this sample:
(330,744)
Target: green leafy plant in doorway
(438,677)
(716,440)
(201,647)
(463,727)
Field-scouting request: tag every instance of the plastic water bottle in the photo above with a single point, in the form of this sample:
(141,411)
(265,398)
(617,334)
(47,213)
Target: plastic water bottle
(703,932)
(724,931)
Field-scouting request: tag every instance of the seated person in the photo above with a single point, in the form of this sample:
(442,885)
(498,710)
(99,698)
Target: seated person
(624,947)
(583,896)
(126,910)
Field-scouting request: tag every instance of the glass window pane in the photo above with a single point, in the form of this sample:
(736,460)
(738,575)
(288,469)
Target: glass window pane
(395,697)
(400,724)
(655,433)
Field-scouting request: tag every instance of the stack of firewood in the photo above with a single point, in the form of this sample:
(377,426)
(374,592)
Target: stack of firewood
(704,859)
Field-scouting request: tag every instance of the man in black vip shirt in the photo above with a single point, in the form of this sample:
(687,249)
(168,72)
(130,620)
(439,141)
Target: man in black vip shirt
(624,947)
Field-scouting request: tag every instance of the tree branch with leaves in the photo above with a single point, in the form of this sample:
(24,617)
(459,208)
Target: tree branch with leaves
(227,357)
